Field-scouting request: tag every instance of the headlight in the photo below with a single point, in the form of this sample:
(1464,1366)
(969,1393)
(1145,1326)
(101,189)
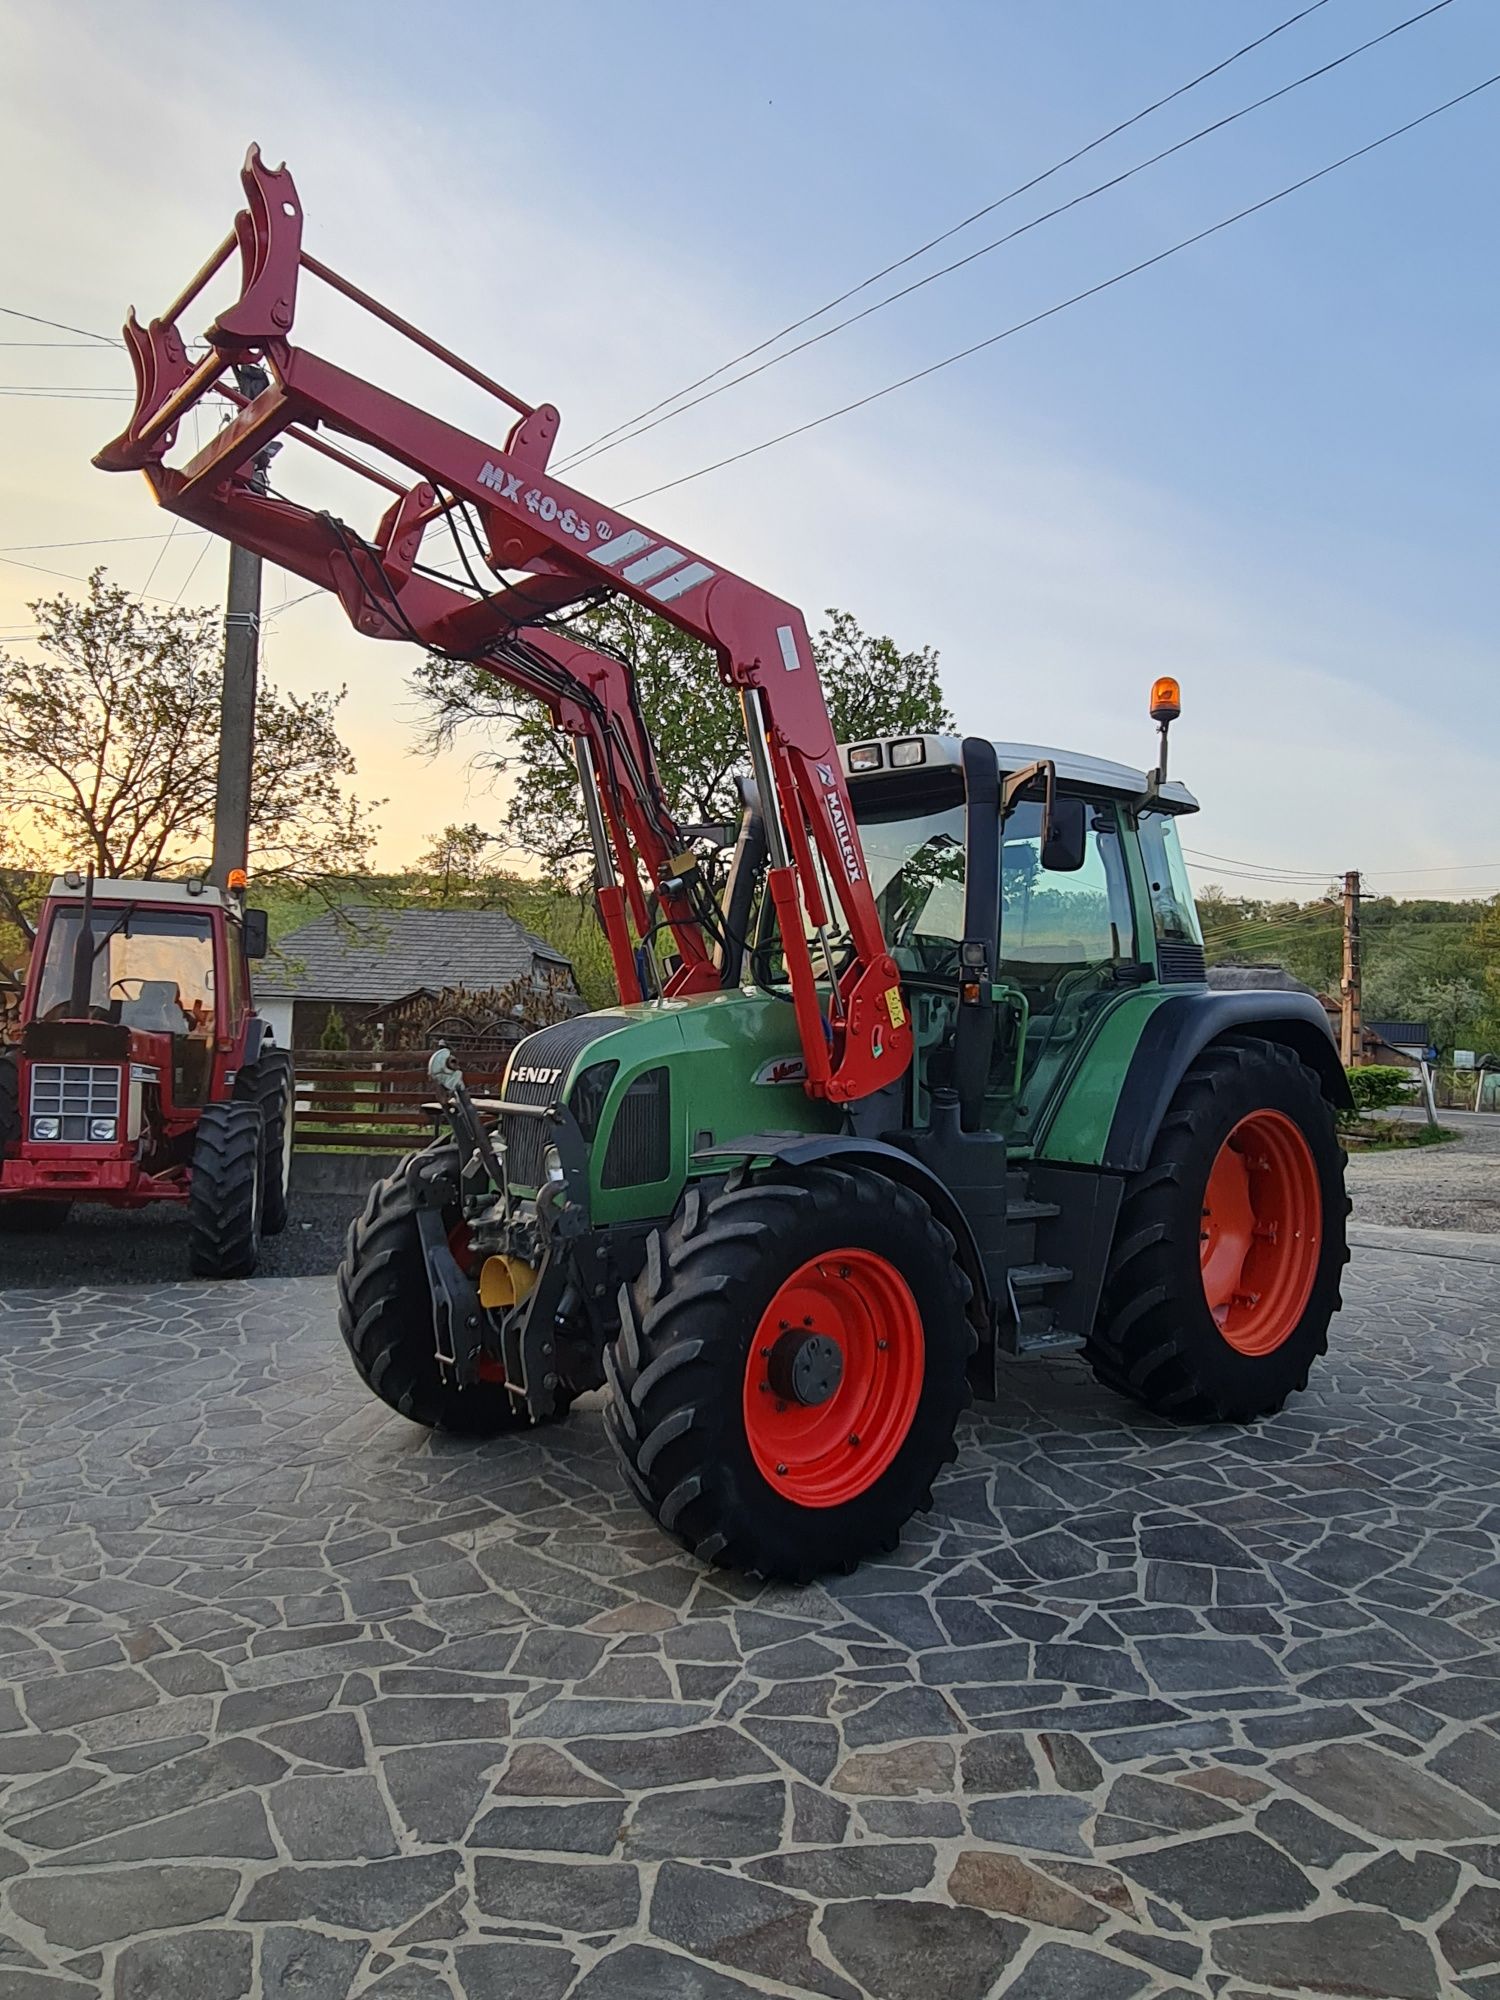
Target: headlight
(102,1130)
(552,1167)
(45,1128)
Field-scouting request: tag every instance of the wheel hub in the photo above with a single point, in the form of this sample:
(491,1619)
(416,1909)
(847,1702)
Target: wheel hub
(805,1368)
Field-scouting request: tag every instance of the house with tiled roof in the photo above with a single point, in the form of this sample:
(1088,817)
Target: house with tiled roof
(363,960)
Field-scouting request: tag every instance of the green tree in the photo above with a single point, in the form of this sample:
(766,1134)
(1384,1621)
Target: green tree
(109,737)
(458,860)
(335,1035)
(1452,1008)
(873,688)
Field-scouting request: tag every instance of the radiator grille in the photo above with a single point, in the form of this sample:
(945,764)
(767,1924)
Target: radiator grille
(550,1049)
(640,1146)
(73,1094)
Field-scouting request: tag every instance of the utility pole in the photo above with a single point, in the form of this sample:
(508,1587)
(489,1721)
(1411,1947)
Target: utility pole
(1351,1038)
(241,673)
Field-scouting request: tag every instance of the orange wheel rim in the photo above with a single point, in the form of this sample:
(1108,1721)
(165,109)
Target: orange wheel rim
(833,1378)
(1261,1232)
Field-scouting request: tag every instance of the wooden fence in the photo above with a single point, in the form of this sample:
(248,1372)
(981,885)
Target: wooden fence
(371,1100)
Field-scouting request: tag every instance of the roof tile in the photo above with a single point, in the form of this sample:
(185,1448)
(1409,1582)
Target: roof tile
(367,953)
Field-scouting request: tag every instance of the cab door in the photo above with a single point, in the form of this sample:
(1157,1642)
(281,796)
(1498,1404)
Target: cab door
(1067,952)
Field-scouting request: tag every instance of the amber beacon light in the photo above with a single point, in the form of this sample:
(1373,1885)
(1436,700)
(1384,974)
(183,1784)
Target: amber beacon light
(1166,700)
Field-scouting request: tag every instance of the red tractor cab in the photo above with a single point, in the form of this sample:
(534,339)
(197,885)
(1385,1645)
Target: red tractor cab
(143,1073)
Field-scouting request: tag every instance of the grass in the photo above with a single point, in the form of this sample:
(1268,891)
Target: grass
(1393,1135)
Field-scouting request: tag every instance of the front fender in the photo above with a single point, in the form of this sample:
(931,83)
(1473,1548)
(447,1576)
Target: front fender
(1182,1027)
(796,1149)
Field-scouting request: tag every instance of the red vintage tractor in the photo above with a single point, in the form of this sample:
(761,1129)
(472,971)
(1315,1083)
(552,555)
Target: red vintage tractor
(143,1073)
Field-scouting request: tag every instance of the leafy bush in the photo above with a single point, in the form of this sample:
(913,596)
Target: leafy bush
(1379,1085)
(335,1035)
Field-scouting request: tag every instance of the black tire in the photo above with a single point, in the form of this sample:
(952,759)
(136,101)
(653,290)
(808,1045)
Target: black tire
(270,1082)
(22,1218)
(385,1309)
(677,1371)
(1156,1339)
(224,1191)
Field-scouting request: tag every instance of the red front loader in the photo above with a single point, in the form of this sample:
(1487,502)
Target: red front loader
(143,1073)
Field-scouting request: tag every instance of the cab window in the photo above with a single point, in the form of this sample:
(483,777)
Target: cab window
(1173,911)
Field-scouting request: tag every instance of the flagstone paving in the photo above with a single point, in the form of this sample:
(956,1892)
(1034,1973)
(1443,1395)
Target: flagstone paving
(295,1700)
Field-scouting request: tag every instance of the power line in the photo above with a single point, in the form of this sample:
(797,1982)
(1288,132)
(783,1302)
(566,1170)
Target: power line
(160,553)
(931,244)
(89,542)
(61,326)
(192,572)
(998,242)
(1077,298)
(68,576)
(82,395)
(1267,874)
(1325,874)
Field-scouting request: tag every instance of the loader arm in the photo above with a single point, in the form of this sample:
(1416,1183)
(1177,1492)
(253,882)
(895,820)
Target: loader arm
(550,548)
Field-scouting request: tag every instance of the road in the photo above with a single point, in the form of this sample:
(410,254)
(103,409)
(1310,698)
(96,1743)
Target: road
(1456,1186)
(295,1699)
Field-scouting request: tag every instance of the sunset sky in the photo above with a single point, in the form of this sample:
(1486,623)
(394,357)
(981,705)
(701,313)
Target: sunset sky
(1266,466)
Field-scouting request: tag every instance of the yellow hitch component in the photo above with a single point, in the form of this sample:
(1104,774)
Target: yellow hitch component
(505,1281)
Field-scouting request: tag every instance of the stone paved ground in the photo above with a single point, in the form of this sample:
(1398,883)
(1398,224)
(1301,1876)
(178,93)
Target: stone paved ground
(295,1701)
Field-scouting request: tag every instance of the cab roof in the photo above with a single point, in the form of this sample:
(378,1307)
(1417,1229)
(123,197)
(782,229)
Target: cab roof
(1095,774)
(70,890)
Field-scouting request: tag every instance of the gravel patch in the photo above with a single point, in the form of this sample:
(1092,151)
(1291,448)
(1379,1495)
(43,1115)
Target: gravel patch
(1456,1186)
(107,1246)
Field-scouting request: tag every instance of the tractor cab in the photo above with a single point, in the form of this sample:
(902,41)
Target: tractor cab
(1093,901)
(149,969)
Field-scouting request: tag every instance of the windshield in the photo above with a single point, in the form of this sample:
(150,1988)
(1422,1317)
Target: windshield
(916,868)
(152,969)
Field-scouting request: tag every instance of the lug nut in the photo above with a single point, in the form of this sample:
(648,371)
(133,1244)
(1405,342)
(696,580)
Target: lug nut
(782,1470)
(854,1437)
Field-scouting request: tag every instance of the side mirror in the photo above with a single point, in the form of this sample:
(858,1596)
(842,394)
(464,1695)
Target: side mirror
(257,933)
(1065,839)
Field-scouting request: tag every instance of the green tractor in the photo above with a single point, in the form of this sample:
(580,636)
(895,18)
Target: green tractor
(790,1304)
(930,1080)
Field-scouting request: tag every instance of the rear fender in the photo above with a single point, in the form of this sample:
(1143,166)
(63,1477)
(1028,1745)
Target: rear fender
(1178,1032)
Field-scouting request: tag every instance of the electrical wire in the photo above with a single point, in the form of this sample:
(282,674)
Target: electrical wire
(1238,861)
(1023,229)
(61,326)
(192,572)
(167,543)
(931,244)
(1077,298)
(89,542)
